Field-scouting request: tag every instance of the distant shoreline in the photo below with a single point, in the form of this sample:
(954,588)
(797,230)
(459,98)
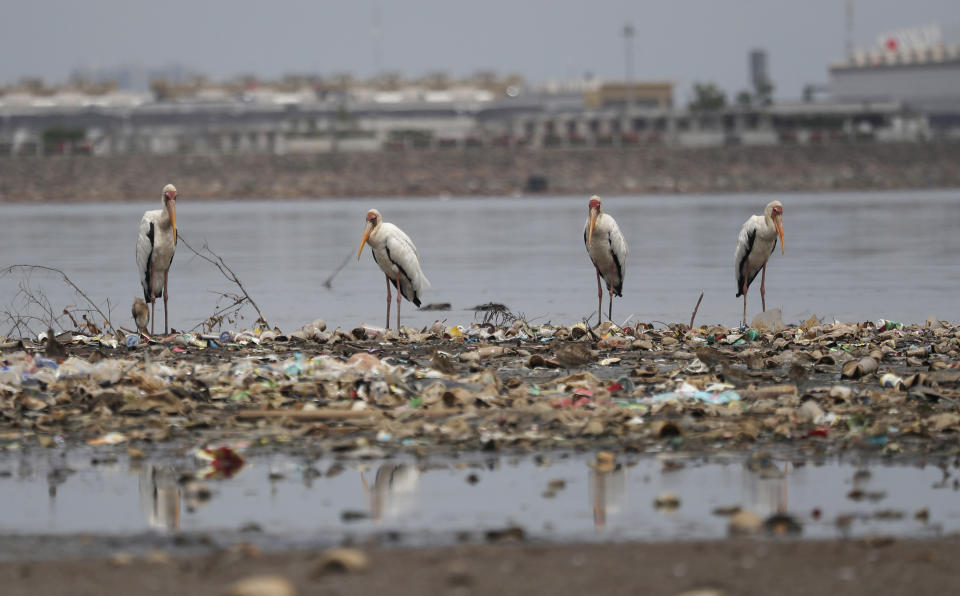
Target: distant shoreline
(486,171)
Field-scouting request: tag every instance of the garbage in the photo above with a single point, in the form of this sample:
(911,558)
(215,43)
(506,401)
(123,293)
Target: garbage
(667,502)
(891,381)
(224,462)
(341,560)
(772,320)
(262,585)
(510,384)
(744,523)
(686,391)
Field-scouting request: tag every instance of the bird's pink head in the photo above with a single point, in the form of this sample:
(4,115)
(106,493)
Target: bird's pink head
(373,220)
(774,212)
(594,213)
(170,203)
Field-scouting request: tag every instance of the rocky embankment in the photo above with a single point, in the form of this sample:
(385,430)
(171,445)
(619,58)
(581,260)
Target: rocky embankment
(486,171)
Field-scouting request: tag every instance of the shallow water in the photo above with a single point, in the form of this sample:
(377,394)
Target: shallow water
(284,501)
(852,256)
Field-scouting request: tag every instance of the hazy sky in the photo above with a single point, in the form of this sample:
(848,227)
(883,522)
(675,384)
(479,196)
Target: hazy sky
(679,40)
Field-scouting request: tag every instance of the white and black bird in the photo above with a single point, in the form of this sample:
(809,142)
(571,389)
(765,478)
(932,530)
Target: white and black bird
(755,244)
(397,257)
(608,250)
(155,247)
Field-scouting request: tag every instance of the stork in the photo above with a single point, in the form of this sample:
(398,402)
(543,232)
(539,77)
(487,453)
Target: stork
(397,257)
(755,244)
(155,247)
(608,250)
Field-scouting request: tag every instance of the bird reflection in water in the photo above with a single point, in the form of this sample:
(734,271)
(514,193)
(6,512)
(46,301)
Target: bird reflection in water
(160,497)
(608,491)
(394,490)
(766,486)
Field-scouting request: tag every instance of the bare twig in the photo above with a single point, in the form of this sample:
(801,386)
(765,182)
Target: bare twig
(66,280)
(218,262)
(695,309)
(328,283)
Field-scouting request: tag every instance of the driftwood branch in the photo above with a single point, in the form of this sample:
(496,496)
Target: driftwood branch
(328,283)
(695,309)
(66,279)
(218,262)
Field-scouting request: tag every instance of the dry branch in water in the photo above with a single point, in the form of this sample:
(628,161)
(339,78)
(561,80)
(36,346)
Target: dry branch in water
(37,298)
(695,309)
(237,301)
(328,283)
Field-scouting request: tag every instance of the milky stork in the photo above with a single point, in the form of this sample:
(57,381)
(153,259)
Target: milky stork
(155,247)
(608,251)
(755,244)
(397,257)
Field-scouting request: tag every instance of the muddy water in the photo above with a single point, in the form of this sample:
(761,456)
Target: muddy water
(283,501)
(853,256)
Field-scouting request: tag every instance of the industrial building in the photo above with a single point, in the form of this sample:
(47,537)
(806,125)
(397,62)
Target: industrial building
(908,92)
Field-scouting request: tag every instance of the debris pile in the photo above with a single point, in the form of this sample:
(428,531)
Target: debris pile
(873,385)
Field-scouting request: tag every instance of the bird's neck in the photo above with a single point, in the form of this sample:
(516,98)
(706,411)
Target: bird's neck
(165,219)
(769,229)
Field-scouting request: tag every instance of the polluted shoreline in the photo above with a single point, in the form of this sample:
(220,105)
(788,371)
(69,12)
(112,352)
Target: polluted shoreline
(201,457)
(877,386)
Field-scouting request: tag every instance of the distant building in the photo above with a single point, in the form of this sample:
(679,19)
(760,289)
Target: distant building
(913,66)
(759,76)
(619,95)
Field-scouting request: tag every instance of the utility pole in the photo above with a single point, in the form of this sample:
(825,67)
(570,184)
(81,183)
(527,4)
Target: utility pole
(849,29)
(628,33)
(377,38)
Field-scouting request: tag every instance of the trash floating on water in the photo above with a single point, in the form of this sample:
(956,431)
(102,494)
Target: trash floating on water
(874,385)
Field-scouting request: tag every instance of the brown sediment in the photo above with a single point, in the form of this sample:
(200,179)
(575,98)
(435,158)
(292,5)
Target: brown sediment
(868,566)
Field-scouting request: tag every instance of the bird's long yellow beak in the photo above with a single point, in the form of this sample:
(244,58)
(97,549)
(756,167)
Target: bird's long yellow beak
(593,222)
(779,224)
(366,234)
(173,221)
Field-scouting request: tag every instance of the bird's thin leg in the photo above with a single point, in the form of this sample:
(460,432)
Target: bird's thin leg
(389,296)
(763,292)
(153,299)
(166,296)
(599,299)
(610,306)
(399,296)
(746,284)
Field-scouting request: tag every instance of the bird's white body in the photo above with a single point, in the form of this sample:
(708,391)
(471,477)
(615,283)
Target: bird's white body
(155,246)
(608,250)
(397,257)
(755,244)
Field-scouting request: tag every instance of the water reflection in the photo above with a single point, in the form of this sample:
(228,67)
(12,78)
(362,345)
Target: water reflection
(401,496)
(394,491)
(608,492)
(766,487)
(160,497)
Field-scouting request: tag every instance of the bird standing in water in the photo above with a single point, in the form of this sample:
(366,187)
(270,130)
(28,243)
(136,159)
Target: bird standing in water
(608,250)
(755,244)
(155,247)
(397,257)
